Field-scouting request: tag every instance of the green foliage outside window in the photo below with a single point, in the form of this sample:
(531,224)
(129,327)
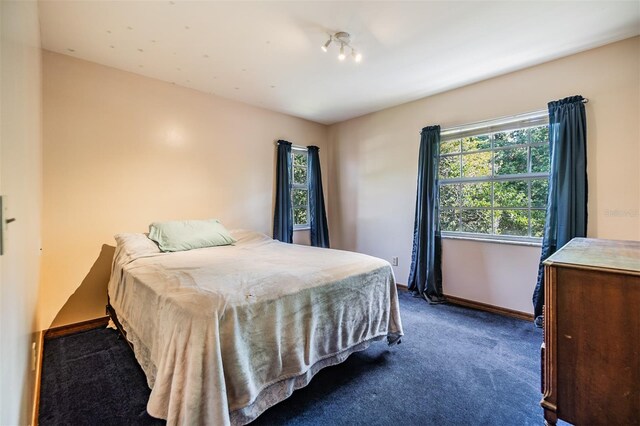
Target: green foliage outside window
(540,159)
(450,220)
(512,222)
(516,137)
(450,147)
(476,221)
(537,223)
(511,193)
(299,189)
(476,164)
(475,143)
(299,168)
(476,194)
(300,159)
(449,167)
(299,197)
(495,183)
(512,161)
(539,192)
(300,216)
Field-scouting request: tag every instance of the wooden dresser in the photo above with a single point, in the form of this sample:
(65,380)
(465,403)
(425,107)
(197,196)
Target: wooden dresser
(591,349)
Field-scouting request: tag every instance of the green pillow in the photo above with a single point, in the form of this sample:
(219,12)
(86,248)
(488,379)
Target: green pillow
(182,235)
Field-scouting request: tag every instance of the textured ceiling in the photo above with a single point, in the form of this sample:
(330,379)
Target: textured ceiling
(268,53)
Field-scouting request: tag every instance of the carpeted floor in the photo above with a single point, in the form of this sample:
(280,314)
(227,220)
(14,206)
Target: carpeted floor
(455,366)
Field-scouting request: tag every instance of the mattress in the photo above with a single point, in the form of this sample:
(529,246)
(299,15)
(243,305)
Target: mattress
(223,333)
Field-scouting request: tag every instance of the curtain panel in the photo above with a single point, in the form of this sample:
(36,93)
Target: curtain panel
(425,277)
(283,214)
(566,215)
(318,217)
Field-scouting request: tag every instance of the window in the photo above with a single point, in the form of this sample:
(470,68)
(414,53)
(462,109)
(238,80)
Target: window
(299,188)
(493,180)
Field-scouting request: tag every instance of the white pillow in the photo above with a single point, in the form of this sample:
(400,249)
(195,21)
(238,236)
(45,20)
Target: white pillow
(136,245)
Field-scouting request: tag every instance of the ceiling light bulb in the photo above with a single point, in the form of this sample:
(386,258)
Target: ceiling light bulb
(341,56)
(358,57)
(326,45)
(355,55)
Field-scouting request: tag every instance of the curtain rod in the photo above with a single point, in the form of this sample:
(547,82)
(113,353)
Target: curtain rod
(484,123)
(293,146)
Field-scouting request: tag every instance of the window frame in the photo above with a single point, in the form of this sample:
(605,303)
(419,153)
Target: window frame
(489,128)
(305,186)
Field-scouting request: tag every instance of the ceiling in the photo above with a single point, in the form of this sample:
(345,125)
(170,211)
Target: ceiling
(267,53)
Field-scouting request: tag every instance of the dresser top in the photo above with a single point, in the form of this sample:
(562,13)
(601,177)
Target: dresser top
(600,254)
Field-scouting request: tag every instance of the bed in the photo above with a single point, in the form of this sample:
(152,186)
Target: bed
(223,333)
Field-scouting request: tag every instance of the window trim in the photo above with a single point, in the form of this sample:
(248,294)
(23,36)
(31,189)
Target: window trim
(294,185)
(488,127)
(524,241)
(496,125)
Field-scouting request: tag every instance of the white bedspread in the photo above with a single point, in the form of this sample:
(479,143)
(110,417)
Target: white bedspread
(224,333)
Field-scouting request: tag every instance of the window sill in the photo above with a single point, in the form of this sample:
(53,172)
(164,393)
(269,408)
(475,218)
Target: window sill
(302,229)
(490,240)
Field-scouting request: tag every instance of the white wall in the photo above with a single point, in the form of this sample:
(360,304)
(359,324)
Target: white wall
(20,182)
(122,150)
(373,166)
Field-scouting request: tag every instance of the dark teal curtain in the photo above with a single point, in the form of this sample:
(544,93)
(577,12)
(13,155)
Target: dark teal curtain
(425,276)
(566,216)
(318,217)
(283,214)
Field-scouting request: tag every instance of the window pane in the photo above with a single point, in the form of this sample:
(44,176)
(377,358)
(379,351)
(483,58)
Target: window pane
(450,195)
(476,194)
(539,134)
(476,142)
(449,167)
(449,220)
(482,202)
(540,159)
(300,175)
(475,165)
(510,138)
(478,221)
(450,147)
(539,190)
(511,161)
(300,216)
(300,159)
(512,193)
(537,223)
(511,222)
(299,197)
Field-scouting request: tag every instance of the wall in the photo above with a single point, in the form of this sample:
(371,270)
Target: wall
(373,163)
(122,150)
(20,182)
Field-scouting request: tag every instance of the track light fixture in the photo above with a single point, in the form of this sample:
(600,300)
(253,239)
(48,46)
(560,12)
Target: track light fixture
(344,40)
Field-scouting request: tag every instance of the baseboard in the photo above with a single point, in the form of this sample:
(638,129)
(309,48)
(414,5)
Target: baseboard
(489,308)
(51,333)
(480,306)
(38,379)
(77,327)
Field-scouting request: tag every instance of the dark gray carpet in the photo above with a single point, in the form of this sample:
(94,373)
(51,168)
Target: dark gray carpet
(455,366)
